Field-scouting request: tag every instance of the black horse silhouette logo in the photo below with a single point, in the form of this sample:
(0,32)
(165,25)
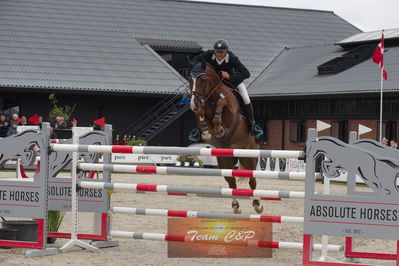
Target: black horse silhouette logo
(377,170)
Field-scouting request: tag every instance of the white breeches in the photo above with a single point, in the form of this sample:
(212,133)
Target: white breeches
(244,93)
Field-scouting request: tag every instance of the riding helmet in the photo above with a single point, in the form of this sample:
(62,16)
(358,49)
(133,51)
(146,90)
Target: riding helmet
(221,45)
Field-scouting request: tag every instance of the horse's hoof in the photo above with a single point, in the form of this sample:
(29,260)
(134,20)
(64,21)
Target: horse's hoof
(206,135)
(220,134)
(257,206)
(236,211)
(258,209)
(236,206)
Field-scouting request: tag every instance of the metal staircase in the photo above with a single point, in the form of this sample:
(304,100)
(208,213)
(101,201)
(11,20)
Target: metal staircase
(159,117)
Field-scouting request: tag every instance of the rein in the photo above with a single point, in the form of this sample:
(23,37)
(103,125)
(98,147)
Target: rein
(209,95)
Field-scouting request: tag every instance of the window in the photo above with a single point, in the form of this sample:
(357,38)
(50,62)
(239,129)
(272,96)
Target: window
(340,130)
(298,130)
(389,129)
(335,129)
(177,54)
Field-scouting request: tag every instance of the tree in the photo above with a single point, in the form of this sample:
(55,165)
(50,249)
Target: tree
(58,110)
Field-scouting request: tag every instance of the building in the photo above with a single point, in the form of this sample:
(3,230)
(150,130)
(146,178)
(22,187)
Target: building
(336,83)
(127,60)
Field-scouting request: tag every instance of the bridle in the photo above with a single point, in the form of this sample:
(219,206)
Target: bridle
(201,95)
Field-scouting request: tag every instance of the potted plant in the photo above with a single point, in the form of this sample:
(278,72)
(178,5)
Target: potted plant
(137,142)
(54,220)
(189,160)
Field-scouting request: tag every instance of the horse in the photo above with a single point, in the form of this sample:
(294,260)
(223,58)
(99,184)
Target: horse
(221,124)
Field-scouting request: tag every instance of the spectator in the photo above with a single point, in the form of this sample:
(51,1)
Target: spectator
(40,121)
(185,100)
(384,141)
(14,118)
(12,130)
(393,144)
(60,123)
(24,121)
(3,126)
(74,122)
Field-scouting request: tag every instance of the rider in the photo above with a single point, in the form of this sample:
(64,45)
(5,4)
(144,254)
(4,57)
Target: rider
(230,67)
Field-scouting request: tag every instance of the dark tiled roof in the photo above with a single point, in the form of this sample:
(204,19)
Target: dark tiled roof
(294,72)
(93,44)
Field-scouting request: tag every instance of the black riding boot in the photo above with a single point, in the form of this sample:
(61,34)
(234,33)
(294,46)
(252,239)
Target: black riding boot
(250,115)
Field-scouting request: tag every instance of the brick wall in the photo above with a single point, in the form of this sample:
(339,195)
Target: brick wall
(275,131)
(373,124)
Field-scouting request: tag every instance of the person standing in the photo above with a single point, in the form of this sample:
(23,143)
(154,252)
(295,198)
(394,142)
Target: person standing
(3,126)
(12,130)
(393,144)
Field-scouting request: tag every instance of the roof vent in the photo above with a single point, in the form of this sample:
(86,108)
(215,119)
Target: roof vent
(347,60)
(361,52)
(336,65)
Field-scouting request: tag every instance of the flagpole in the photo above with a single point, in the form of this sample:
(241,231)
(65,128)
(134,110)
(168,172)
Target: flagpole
(381,101)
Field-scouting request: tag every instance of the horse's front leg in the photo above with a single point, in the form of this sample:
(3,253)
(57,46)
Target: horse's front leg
(217,119)
(205,134)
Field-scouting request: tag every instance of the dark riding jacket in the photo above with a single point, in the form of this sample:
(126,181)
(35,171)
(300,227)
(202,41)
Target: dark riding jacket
(237,71)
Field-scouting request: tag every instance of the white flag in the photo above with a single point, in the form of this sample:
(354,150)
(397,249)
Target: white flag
(363,129)
(322,125)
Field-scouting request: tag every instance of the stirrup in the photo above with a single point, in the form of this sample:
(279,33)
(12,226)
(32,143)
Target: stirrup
(258,131)
(194,135)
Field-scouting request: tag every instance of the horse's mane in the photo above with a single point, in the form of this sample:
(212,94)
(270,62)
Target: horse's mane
(213,70)
(224,81)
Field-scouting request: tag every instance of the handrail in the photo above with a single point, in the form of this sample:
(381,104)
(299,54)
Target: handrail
(156,113)
(179,112)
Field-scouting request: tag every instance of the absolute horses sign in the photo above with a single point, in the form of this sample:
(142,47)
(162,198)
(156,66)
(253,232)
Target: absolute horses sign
(371,214)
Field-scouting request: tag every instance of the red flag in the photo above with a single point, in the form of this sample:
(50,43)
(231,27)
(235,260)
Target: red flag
(100,122)
(378,57)
(19,120)
(34,119)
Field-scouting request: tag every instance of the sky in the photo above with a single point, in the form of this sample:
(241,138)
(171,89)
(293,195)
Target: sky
(367,15)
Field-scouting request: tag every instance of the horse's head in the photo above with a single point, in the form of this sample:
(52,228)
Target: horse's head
(203,84)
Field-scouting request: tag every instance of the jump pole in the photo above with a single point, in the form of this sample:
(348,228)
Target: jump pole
(166,170)
(200,214)
(243,153)
(251,243)
(219,192)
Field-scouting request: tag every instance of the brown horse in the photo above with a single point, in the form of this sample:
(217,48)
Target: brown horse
(221,124)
